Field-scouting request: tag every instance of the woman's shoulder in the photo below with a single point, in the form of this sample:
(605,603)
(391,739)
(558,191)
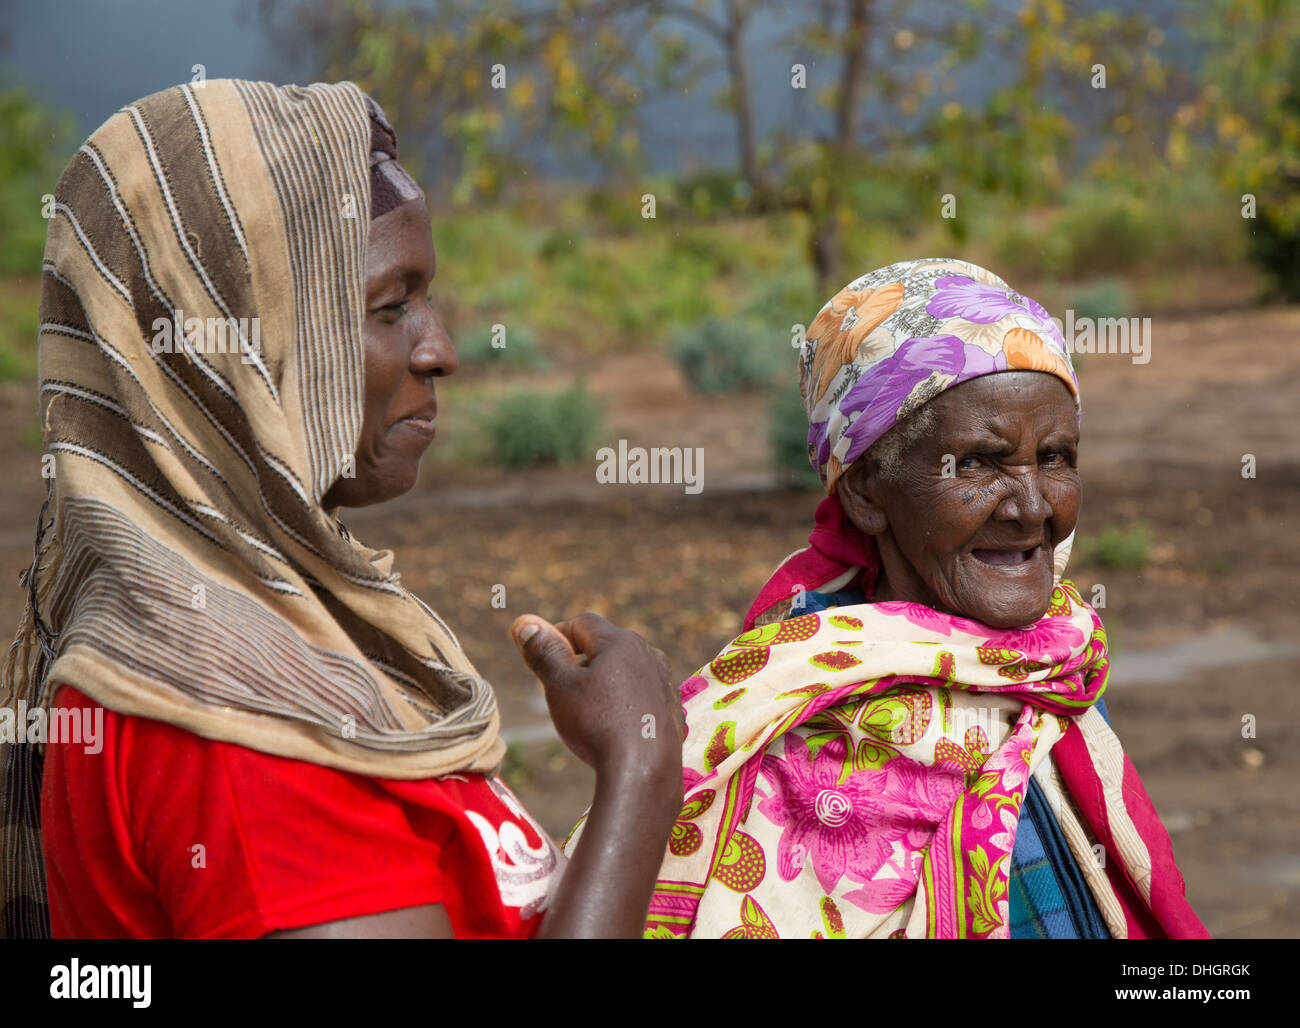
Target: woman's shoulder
(285,842)
(141,760)
(155,744)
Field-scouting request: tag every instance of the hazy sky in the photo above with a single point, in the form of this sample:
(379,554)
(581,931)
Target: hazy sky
(90,57)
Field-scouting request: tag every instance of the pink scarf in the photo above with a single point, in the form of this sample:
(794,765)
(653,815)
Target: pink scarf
(836,546)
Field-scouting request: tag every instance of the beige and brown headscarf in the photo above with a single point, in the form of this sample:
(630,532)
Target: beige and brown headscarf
(186,570)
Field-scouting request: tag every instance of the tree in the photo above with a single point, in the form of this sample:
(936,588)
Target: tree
(903,100)
(475,85)
(1249,108)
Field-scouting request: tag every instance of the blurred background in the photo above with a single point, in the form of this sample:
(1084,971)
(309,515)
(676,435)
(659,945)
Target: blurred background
(636,203)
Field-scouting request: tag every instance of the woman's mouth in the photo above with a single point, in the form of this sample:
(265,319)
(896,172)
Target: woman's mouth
(421,426)
(1006,558)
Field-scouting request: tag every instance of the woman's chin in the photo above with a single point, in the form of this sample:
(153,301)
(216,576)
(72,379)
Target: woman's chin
(391,489)
(1005,597)
(1006,611)
(1009,614)
(368,490)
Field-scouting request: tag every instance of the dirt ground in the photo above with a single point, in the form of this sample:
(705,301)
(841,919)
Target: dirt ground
(1202,636)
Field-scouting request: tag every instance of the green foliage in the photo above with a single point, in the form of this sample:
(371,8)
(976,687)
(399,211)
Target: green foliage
(35,144)
(33,435)
(883,197)
(710,193)
(589,291)
(721,356)
(619,209)
(778,300)
(516,346)
(19,307)
(1105,298)
(471,79)
(788,438)
(1101,230)
(1119,547)
(1116,220)
(489,83)
(1276,248)
(528,428)
(1250,99)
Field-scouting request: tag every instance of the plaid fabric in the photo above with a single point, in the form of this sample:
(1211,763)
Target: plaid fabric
(1049,897)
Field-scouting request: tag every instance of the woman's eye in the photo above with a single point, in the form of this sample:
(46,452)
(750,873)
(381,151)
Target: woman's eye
(399,308)
(969,463)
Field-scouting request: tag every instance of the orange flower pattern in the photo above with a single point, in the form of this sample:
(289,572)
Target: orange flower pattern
(895,338)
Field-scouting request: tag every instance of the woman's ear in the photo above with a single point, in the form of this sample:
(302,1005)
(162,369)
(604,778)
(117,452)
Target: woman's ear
(859,490)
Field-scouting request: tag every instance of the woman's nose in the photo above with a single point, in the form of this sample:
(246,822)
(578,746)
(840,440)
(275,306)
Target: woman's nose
(434,354)
(1025,501)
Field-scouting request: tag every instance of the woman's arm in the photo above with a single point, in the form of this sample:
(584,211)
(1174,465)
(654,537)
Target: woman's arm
(617,710)
(605,890)
(426,922)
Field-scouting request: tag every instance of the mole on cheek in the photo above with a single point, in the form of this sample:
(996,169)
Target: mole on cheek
(967,496)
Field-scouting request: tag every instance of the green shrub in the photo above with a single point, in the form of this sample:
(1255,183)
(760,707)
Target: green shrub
(557,243)
(1101,230)
(38,142)
(1119,547)
(518,346)
(617,209)
(529,428)
(1110,224)
(1275,247)
(19,323)
(709,193)
(787,426)
(882,199)
(777,301)
(720,356)
(1105,298)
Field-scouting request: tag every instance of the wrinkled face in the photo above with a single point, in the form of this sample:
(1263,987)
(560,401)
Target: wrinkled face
(406,349)
(974,535)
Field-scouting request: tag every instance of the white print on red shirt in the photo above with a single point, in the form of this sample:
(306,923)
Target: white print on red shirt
(526,876)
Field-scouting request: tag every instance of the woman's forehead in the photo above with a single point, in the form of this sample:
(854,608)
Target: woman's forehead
(1007,401)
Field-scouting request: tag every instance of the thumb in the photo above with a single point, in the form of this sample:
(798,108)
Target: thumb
(544,647)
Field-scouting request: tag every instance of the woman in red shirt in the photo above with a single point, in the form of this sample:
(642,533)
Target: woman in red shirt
(226,718)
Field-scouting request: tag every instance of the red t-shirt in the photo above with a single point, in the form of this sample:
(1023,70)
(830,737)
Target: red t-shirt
(166,834)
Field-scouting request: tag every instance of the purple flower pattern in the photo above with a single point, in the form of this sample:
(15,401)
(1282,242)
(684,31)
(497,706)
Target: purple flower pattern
(850,827)
(927,358)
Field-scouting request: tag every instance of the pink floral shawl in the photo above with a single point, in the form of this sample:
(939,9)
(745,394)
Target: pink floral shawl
(860,771)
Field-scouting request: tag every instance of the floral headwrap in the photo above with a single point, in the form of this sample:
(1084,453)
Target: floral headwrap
(897,337)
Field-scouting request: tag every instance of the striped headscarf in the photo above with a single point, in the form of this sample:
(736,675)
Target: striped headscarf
(185,568)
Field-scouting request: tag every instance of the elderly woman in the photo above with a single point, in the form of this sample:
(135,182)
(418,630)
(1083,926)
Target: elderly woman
(236,342)
(909,739)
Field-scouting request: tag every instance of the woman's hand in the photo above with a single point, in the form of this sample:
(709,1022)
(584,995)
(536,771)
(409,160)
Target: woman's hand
(610,693)
(617,709)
